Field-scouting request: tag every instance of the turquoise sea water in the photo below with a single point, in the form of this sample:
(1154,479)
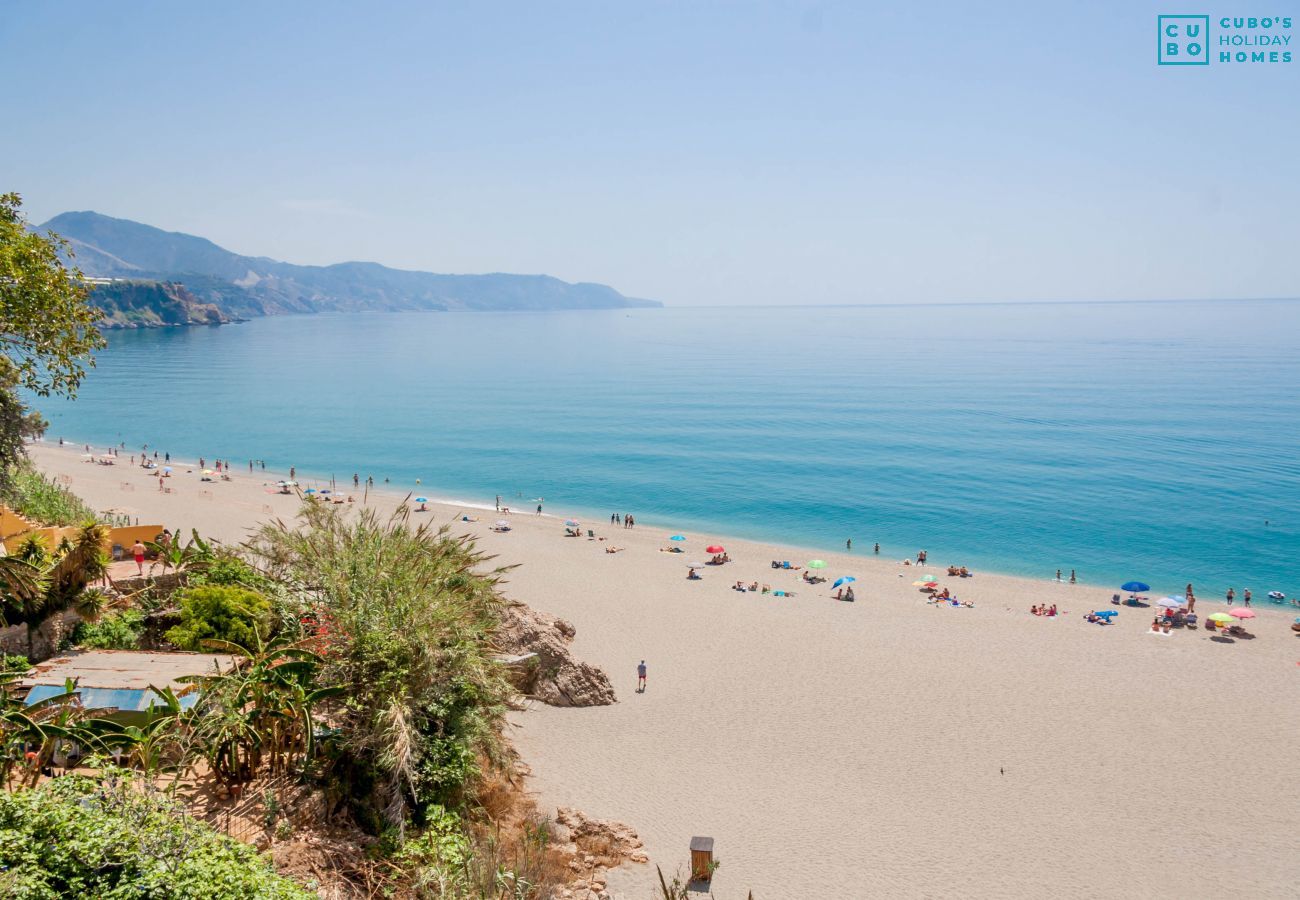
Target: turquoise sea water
(1140,440)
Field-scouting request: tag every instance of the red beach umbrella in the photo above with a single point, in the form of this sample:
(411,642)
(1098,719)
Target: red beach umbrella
(715,548)
(1241,612)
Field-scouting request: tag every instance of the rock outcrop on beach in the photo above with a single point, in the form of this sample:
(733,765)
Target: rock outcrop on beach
(547,671)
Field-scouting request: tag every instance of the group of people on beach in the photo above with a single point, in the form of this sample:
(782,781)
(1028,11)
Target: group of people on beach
(624,519)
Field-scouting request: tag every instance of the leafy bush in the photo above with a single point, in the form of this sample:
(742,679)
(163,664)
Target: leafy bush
(410,630)
(31,494)
(10,662)
(119,631)
(223,613)
(75,838)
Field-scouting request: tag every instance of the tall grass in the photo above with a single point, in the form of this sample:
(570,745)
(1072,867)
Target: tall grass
(31,494)
(412,621)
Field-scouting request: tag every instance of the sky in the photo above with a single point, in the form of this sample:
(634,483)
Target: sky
(693,153)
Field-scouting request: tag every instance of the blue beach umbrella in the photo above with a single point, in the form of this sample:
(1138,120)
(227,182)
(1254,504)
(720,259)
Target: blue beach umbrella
(1106,613)
(570,523)
(1134,587)
(840,581)
(421,499)
(310,491)
(327,491)
(678,537)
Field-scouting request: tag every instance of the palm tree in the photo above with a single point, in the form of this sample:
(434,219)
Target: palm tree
(37,584)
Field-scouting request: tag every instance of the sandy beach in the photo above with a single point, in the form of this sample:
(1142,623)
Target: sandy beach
(885,747)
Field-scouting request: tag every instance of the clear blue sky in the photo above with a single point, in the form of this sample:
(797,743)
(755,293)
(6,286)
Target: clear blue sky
(695,153)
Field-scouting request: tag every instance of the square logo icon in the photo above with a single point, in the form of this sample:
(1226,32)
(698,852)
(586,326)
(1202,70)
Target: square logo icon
(1183,40)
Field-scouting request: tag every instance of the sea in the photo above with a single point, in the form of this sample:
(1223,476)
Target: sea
(1151,441)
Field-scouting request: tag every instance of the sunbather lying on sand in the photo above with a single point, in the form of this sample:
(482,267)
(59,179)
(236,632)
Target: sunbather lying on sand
(615,549)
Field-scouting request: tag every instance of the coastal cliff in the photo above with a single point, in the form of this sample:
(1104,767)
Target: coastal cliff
(153,304)
(248,286)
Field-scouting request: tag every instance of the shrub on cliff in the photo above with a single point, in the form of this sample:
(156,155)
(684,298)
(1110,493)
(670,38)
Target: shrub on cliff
(410,626)
(76,838)
(32,495)
(221,613)
(116,631)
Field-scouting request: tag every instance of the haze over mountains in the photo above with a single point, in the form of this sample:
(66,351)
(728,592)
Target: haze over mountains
(247,286)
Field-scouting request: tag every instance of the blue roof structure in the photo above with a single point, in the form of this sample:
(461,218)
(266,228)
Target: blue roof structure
(125,699)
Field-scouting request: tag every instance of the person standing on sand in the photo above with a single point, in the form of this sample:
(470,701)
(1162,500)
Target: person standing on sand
(137,550)
(640,678)
(1245,597)
(539,509)
(1229,597)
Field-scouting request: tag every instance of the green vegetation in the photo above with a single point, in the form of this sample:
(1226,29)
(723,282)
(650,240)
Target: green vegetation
(220,613)
(47,329)
(116,631)
(107,840)
(36,497)
(368,674)
(36,583)
(409,631)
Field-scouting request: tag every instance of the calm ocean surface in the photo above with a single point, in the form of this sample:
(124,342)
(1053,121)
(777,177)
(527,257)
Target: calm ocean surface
(1142,440)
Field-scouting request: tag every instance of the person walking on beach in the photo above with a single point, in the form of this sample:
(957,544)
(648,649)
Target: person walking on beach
(539,509)
(292,472)
(640,678)
(1228,598)
(1073,580)
(137,550)
(1245,597)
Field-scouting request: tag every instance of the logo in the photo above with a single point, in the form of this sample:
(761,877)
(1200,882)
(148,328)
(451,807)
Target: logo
(1183,40)
(1186,40)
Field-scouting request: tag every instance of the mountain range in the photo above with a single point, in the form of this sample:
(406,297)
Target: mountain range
(240,287)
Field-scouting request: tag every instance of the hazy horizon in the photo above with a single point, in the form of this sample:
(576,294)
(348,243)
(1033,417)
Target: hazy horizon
(766,154)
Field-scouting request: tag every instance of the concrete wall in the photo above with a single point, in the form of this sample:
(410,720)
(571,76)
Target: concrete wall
(14,529)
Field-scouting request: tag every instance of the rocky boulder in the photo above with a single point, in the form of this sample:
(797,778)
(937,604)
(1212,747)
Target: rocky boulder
(537,647)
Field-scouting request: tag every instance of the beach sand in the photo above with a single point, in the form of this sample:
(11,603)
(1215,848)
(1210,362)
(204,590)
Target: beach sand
(879,748)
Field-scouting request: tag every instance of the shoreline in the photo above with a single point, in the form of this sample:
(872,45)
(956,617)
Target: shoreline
(822,742)
(440,498)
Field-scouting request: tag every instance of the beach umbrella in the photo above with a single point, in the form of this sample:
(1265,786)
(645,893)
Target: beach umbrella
(817,564)
(1221,617)
(844,580)
(1134,587)
(570,523)
(207,471)
(1171,602)
(502,523)
(1241,612)
(714,548)
(167,468)
(417,499)
(695,565)
(310,491)
(678,537)
(328,491)
(926,583)
(1106,613)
